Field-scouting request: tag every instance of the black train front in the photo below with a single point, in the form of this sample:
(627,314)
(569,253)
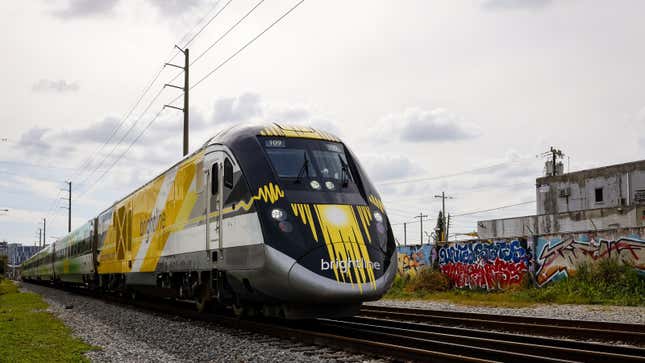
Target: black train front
(327,242)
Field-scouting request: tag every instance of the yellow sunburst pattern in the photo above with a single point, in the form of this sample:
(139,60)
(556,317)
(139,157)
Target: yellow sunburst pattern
(377,202)
(341,231)
(297,131)
(304,212)
(366,219)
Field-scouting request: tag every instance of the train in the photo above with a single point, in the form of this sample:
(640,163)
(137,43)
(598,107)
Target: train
(270,219)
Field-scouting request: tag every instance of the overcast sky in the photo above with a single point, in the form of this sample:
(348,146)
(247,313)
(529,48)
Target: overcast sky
(462,93)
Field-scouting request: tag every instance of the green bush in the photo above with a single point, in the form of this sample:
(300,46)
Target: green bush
(607,281)
(428,280)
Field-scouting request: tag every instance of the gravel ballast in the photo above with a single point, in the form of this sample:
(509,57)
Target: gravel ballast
(616,314)
(125,334)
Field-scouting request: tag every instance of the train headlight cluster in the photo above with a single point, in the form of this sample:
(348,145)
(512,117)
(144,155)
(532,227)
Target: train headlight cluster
(314,184)
(278,214)
(378,217)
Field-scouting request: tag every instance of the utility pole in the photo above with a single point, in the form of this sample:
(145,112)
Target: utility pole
(186,88)
(405,234)
(554,154)
(448,228)
(421,216)
(40,237)
(44,231)
(69,206)
(443,211)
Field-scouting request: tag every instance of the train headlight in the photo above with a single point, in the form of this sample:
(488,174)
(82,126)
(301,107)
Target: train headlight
(378,217)
(315,184)
(285,226)
(278,214)
(330,185)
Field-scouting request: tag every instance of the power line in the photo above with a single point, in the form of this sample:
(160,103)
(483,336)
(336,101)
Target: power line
(191,87)
(122,138)
(227,32)
(209,21)
(123,153)
(415,180)
(147,89)
(247,44)
(492,209)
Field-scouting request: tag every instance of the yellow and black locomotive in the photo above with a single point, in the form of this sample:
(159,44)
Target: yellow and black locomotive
(272,218)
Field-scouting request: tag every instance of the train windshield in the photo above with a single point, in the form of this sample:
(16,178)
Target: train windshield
(311,159)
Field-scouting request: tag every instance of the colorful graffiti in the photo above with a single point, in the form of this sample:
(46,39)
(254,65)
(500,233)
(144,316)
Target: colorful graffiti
(414,258)
(494,265)
(559,257)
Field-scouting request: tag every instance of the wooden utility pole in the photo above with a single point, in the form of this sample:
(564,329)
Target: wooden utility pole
(421,216)
(186,89)
(69,206)
(443,212)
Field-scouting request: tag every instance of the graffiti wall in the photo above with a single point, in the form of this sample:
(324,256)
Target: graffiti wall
(414,258)
(501,264)
(495,265)
(559,255)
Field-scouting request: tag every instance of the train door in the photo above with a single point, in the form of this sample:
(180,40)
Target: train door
(214,201)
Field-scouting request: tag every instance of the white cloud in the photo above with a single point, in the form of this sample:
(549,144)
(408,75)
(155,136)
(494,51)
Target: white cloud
(514,4)
(383,167)
(36,186)
(60,86)
(418,125)
(85,8)
(174,8)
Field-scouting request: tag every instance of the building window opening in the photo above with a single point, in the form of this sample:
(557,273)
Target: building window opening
(598,195)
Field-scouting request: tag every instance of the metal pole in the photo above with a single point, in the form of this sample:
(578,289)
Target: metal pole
(186,89)
(405,234)
(421,221)
(40,237)
(69,208)
(44,231)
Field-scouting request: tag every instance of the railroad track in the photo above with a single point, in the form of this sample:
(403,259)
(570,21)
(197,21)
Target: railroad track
(401,340)
(405,340)
(601,331)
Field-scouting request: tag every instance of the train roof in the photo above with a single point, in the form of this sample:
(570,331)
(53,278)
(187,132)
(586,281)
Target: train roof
(236,132)
(273,129)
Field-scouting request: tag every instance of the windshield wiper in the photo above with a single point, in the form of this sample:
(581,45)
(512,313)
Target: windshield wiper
(345,172)
(304,167)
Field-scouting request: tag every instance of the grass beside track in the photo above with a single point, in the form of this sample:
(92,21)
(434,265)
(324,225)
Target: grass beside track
(604,283)
(28,333)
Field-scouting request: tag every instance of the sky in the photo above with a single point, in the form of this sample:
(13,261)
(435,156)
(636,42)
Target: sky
(460,97)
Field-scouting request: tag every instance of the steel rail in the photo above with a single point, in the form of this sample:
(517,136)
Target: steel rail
(631,333)
(537,348)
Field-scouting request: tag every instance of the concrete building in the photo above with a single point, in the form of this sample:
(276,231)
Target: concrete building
(614,186)
(598,199)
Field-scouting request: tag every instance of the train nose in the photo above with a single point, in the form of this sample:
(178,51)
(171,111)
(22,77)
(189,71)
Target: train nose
(342,271)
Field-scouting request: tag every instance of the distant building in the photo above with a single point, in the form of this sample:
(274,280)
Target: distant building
(597,199)
(614,186)
(16,252)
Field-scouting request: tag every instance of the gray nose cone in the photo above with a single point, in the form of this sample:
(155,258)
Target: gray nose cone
(284,278)
(325,289)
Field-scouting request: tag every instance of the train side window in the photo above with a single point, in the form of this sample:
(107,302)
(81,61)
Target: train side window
(214,179)
(228,174)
